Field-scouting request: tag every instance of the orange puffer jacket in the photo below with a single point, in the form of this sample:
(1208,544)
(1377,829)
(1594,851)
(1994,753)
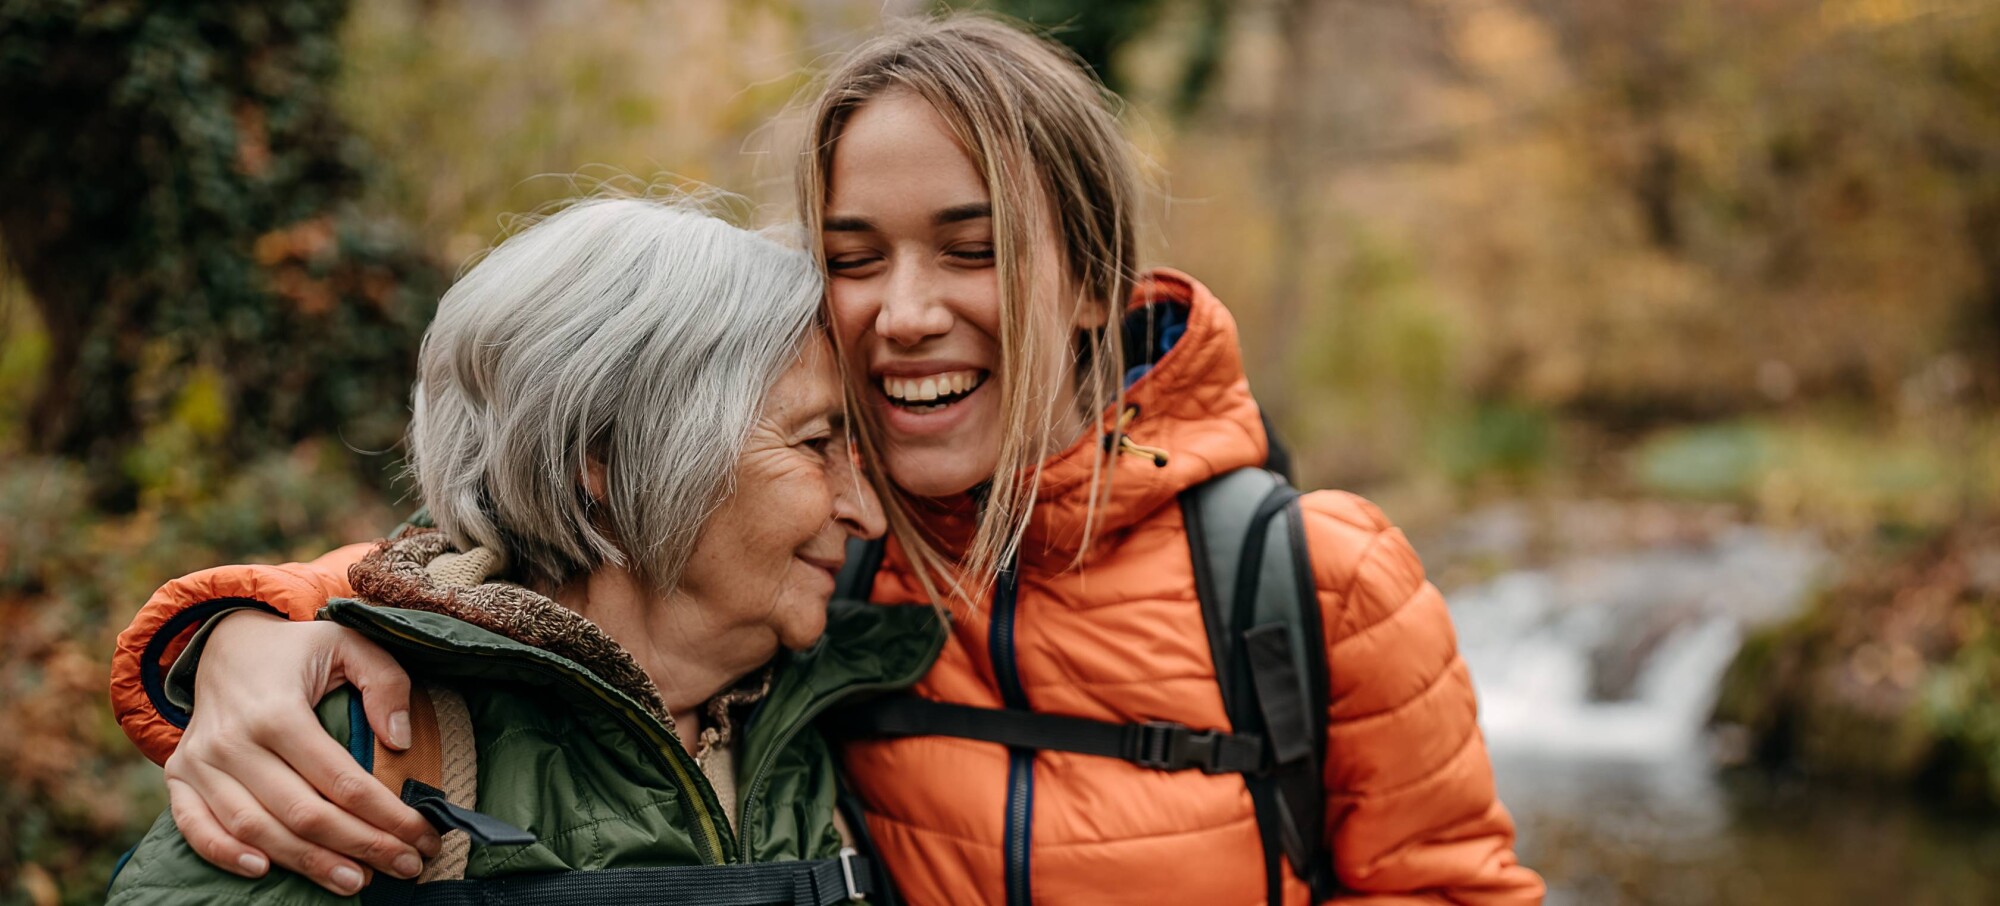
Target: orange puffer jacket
(1411,811)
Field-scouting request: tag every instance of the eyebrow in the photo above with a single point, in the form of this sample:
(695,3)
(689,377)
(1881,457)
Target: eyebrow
(956,214)
(962,213)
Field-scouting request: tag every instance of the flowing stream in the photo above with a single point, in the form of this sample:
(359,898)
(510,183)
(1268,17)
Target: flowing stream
(1596,677)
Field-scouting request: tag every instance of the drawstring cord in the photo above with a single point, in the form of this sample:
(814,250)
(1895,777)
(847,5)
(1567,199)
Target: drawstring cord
(1130,447)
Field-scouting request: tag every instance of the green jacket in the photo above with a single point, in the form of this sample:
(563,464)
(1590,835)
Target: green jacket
(597,779)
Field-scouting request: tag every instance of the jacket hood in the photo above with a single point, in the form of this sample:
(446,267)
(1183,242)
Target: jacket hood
(1190,400)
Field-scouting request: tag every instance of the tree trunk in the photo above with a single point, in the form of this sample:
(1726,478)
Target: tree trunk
(1288,187)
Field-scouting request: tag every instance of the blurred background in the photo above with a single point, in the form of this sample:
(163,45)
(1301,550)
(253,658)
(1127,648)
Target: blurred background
(1670,330)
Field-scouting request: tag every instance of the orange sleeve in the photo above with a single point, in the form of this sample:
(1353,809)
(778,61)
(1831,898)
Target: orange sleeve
(1411,810)
(162,627)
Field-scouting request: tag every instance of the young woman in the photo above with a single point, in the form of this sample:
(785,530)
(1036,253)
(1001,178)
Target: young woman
(1030,406)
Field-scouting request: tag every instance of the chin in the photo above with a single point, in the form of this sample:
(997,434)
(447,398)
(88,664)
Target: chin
(800,633)
(941,473)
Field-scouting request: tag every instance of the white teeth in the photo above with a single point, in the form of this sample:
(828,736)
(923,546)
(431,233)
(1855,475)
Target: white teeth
(929,387)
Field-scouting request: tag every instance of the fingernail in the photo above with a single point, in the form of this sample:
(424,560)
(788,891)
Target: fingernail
(347,879)
(399,729)
(430,845)
(253,863)
(408,865)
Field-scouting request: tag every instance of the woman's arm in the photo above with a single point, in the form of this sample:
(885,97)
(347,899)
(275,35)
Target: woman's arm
(1411,811)
(251,779)
(167,868)
(163,626)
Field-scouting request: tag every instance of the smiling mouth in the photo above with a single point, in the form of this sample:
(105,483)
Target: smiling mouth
(924,394)
(831,569)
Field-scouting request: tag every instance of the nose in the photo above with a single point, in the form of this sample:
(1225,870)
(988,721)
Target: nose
(912,309)
(855,505)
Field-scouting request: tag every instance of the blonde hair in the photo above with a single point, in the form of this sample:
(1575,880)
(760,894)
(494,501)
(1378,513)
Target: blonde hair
(1030,114)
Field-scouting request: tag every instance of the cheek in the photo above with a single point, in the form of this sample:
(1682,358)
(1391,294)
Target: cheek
(799,507)
(975,300)
(848,309)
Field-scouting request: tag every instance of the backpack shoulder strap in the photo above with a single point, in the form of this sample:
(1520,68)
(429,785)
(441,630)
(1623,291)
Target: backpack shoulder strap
(1260,608)
(857,575)
(1218,514)
(1260,604)
(444,756)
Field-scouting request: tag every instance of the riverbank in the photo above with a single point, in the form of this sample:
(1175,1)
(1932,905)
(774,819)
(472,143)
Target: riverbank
(1890,677)
(1668,688)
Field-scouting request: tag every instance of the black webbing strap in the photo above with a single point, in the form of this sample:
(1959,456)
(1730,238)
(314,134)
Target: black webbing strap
(1159,745)
(1260,605)
(1239,687)
(857,573)
(822,883)
(1302,785)
(1276,457)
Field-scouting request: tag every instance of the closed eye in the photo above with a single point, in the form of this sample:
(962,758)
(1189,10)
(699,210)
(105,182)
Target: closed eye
(853,265)
(974,253)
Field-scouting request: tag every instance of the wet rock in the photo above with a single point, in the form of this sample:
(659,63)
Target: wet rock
(1891,677)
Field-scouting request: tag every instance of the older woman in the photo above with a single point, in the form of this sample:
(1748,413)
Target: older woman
(628,433)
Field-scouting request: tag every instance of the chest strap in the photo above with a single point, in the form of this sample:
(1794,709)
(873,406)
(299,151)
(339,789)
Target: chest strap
(438,776)
(1160,745)
(819,883)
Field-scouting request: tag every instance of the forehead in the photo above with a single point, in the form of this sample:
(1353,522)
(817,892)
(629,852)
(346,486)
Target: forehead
(809,388)
(897,148)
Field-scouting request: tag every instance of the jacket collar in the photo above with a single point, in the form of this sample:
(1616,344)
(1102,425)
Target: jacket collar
(420,570)
(432,605)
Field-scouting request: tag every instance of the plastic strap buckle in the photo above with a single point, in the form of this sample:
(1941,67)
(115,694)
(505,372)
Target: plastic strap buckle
(1168,746)
(847,857)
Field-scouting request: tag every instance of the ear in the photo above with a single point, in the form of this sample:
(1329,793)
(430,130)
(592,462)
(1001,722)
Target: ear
(1092,314)
(593,478)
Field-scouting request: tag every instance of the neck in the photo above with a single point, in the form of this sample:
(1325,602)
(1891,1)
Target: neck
(665,636)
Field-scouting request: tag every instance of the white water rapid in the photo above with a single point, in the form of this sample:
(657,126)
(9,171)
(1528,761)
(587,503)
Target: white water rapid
(1618,656)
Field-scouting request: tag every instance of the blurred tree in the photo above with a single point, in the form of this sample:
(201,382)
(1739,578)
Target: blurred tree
(176,194)
(1821,179)
(1098,30)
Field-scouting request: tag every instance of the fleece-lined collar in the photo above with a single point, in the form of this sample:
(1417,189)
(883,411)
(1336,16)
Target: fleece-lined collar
(419,570)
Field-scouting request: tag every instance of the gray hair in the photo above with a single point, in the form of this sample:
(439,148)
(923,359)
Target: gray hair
(638,333)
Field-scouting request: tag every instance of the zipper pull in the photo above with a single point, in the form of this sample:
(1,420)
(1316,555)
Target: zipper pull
(484,829)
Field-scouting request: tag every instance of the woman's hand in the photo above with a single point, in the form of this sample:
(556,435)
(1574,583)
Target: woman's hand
(257,780)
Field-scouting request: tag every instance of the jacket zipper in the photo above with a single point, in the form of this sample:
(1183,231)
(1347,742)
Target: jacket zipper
(1020,761)
(760,777)
(709,841)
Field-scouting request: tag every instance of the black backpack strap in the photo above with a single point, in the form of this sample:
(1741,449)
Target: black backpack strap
(1253,574)
(857,575)
(1307,787)
(1260,603)
(1277,457)
(848,878)
(824,882)
(849,804)
(1160,745)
